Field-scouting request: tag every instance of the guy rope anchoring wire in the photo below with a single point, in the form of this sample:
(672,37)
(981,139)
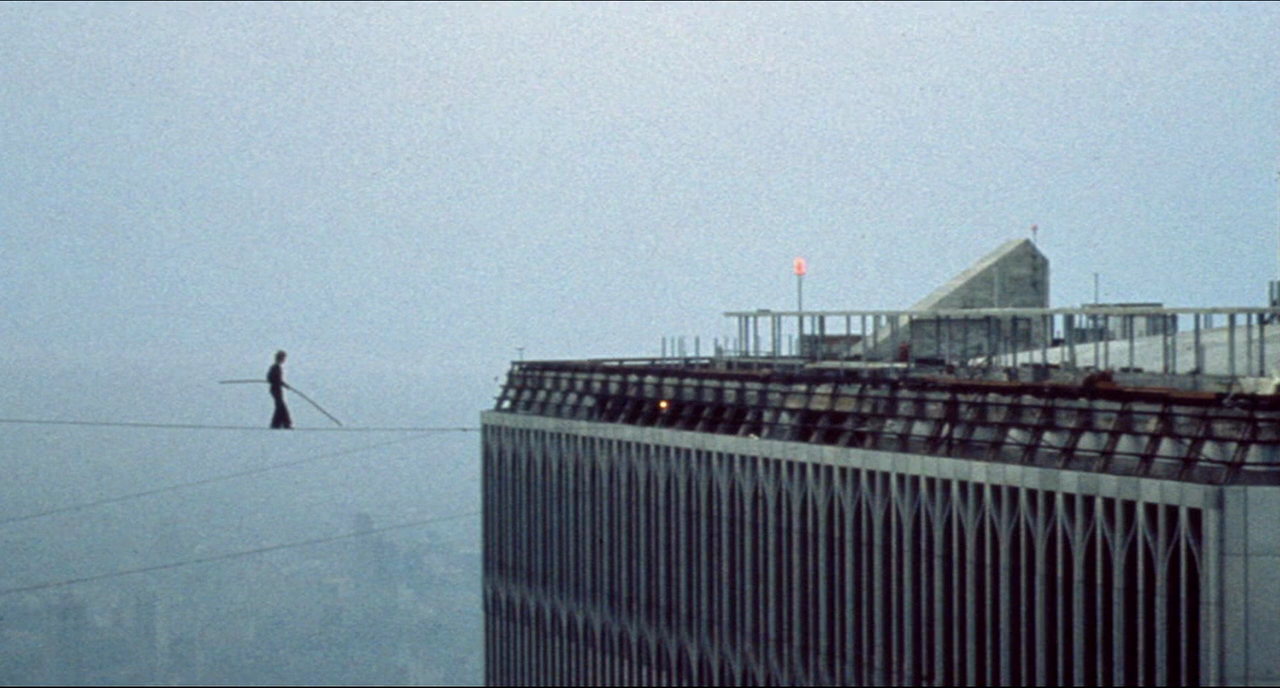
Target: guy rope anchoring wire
(308,399)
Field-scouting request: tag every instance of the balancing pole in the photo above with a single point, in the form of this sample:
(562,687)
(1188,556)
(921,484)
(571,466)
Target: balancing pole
(308,399)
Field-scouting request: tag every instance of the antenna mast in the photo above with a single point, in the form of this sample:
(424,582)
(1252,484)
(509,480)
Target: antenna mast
(1273,290)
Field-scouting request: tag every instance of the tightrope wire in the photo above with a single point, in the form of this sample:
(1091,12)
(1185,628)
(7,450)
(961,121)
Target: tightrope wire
(203,481)
(197,426)
(230,555)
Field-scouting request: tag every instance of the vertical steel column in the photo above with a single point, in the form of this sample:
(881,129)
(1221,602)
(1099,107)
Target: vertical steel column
(1096,335)
(1078,528)
(1248,344)
(795,576)
(1212,650)
(863,328)
(946,349)
(875,326)
(908,500)
(845,351)
(1231,344)
(964,341)
(991,343)
(821,492)
(820,345)
(750,544)
(1262,345)
(1166,359)
(778,327)
(1131,324)
(1198,354)
(852,671)
(1161,641)
(662,529)
(1046,335)
(490,501)
(798,348)
(1040,522)
(683,546)
(942,570)
(1002,514)
(893,338)
(702,579)
(937,338)
(772,553)
(1106,343)
(1065,633)
(911,338)
(1071,339)
(968,514)
(879,578)
(1013,341)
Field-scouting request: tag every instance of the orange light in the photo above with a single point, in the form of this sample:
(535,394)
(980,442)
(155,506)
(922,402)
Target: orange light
(663,404)
(801,266)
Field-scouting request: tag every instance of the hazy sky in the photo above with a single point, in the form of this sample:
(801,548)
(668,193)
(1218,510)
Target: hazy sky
(431,186)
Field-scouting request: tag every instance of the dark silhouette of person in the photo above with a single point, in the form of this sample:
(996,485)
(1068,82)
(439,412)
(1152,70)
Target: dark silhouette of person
(275,377)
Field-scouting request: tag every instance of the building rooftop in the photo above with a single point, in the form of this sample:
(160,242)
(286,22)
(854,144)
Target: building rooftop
(1180,393)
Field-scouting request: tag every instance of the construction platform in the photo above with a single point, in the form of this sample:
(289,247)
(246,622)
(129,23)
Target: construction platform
(1086,421)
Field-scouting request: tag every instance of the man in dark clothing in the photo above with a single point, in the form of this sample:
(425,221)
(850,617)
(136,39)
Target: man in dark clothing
(275,377)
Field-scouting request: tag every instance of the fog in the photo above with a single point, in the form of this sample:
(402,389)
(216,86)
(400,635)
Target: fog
(406,197)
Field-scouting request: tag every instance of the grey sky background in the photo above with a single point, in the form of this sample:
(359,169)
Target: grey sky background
(414,191)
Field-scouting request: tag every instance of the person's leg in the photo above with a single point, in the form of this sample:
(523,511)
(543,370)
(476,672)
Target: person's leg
(280,419)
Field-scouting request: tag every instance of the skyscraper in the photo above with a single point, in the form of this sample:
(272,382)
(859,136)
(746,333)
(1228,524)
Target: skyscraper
(991,507)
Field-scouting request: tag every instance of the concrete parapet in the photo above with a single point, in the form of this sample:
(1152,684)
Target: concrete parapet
(1213,438)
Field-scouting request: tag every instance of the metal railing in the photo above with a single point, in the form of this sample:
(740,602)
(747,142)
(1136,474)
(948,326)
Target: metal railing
(1227,341)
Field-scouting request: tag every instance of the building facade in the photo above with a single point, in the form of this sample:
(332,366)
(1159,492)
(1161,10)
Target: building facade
(709,524)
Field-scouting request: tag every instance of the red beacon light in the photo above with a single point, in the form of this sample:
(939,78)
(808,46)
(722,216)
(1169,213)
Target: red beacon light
(801,266)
